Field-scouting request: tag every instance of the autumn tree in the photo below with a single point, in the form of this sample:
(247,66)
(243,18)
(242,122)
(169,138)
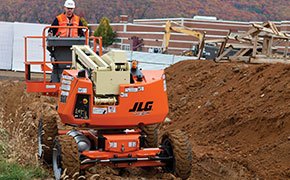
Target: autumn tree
(84,21)
(105,30)
(81,14)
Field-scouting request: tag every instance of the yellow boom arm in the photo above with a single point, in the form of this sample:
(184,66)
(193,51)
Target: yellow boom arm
(181,29)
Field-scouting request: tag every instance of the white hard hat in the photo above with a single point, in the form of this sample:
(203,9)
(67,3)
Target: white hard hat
(69,4)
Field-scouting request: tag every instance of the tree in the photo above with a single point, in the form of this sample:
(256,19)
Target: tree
(105,31)
(81,14)
(83,20)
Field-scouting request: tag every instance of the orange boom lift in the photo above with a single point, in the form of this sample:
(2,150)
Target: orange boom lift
(114,110)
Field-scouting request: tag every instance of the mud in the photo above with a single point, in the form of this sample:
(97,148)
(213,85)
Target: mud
(237,117)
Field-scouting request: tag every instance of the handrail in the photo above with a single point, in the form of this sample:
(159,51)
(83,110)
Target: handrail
(95,44)
(44,42)
(44,62)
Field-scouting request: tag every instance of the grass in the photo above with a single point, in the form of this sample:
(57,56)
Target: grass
(18,140)
(10,170)
(3,141)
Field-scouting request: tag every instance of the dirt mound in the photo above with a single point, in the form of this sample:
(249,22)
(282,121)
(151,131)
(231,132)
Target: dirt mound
(237,116)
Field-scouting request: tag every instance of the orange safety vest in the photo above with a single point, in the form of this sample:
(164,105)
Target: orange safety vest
(64,21)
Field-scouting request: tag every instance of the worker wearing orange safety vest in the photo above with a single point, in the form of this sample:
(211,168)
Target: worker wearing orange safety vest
(68,18)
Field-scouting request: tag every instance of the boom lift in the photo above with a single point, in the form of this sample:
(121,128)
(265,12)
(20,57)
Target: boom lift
(185,30)
(114,111)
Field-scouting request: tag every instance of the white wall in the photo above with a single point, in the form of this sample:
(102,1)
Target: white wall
(34,46)
(6,45)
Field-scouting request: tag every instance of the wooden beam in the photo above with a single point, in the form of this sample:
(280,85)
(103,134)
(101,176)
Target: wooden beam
(201,46)
(265,45)
(248,33)
(218,58)
(255,39)
(215,40)
(269,48)
(246,59)
(223,45)
(240,53)
(286,49)
(269,60)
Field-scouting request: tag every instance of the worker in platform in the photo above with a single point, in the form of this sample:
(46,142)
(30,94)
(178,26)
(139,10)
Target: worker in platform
(68,18)
(62,52)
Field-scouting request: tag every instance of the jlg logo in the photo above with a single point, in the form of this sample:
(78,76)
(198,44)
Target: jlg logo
(138,106)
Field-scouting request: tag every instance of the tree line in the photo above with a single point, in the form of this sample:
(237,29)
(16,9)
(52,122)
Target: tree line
(38,11)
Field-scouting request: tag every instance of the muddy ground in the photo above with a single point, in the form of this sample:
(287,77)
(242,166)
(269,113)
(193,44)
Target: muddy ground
(237,116)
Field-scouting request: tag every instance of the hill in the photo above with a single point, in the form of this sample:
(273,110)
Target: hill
(37,11)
